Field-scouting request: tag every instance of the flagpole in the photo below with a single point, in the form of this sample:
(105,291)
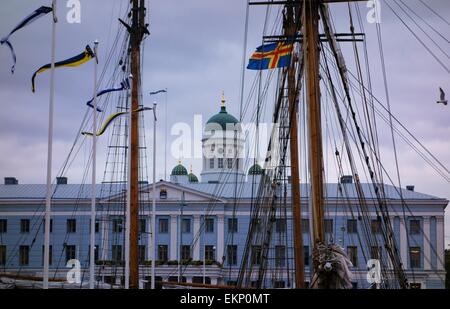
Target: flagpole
(128,209)
(94,163)
(154,200)
(48,199)
(165,139)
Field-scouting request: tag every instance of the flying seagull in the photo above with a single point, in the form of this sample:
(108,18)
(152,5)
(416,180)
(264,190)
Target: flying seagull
(442,97)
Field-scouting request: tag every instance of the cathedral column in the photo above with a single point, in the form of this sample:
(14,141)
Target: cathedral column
(149,237)
(173,237)
(220,237)
(440,242)
(104,230)
(196,253)
(403,243)
(426,243)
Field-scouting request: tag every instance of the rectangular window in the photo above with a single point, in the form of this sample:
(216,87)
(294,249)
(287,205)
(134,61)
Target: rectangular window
(220,162)
(186,225)
(141,254)
(142,227)
(210,254)
(305,225)
(96,252)
(71,226)
(185,252)
(71,252)
(164,226)
(117,225)
(352,253)
(50,255)
(163,194)
(230,163)
(279,284)
(376,226)
(209,225)
(375,252)
(96,226)
(3,226)
(163,252)
(306,255)
(116,252)
(24,255)
(51,226)
(257,224)
(414,257)
(414,227)
(280,225)
(24,225)
(211,163)
(232,225)
(280,256)
(256,255)
(352,226)
(232,254)
(328,225)
(2,255)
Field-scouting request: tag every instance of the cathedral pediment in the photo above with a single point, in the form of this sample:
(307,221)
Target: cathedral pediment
(167,192)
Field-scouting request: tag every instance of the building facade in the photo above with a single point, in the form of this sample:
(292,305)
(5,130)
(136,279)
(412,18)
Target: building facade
(201,226)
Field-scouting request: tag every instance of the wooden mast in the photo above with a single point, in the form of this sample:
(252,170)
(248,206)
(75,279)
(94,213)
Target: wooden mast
(315,155)
(290,32)
(136,34)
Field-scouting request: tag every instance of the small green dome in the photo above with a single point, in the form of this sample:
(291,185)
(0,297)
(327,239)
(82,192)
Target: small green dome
(179,170)
(192,177)
(255,170)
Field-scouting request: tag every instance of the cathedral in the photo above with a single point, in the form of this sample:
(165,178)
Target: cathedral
(202,224)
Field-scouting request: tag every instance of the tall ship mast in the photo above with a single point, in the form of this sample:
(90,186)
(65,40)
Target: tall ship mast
(316,210)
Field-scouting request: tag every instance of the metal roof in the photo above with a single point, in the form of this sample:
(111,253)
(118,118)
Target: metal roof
(222,190)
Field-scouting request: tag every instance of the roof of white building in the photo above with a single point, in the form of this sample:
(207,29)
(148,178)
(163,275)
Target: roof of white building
(221,190)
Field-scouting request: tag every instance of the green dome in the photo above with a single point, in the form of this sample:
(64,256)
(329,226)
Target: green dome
(192,178)
(179,170)
(222,119)
(255,170)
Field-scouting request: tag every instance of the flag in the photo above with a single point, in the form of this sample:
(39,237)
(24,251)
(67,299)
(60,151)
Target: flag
(111,119)
(156,92)
(85,56)
(270,56)
(124,85)
(43,10)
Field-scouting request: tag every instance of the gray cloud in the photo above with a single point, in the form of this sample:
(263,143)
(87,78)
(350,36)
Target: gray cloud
(195,51)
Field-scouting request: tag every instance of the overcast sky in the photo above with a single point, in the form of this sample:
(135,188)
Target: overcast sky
(195,50)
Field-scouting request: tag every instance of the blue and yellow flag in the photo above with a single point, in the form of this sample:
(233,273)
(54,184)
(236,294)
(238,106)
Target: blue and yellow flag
(42,11)
(85,56)
(111,119)
(124,85)
(271,56)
